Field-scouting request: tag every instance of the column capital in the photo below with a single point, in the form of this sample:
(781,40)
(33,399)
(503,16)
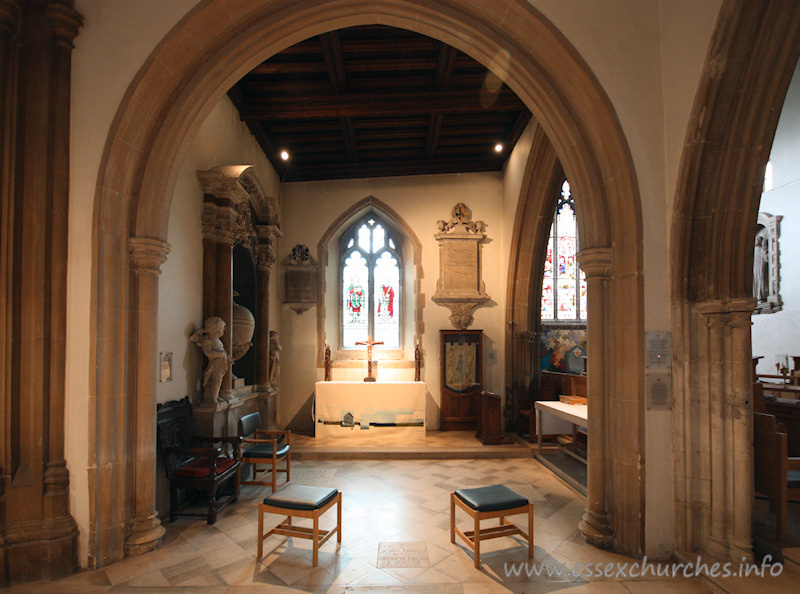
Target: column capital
(595,262)
(148,254)
(265,257)
(733,312)
(10,11)
(268,233)
(219,223)
(65,21)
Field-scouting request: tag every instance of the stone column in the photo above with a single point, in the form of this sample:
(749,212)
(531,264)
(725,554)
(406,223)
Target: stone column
(717,327)
(595,527)
(147,256)
(224,305)
(10,25)
(730,389)
(265,260)
(741,414)
(40,536)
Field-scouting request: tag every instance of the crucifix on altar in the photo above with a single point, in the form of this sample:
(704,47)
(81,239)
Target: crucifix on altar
(369,342)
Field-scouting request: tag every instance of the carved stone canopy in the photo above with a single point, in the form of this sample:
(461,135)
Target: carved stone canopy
(460,287)
(239,184)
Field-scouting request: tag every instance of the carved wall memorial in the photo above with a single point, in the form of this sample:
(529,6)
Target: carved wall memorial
(460,287)
(300,279)
(766,265)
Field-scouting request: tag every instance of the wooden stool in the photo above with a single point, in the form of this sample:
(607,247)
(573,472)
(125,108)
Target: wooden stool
(304,502)
(497,501)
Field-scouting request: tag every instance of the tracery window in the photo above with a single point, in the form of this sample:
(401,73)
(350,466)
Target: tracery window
(370,263)
(563,282)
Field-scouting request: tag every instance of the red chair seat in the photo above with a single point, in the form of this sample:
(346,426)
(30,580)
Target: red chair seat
(202,467)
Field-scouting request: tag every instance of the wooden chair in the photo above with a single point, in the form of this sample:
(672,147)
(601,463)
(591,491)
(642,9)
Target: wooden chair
(776,475)
(266,448)
(193,469)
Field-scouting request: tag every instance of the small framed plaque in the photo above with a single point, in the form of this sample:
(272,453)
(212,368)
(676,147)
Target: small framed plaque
(165,367)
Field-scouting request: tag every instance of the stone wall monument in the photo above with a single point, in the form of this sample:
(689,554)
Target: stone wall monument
(460,287)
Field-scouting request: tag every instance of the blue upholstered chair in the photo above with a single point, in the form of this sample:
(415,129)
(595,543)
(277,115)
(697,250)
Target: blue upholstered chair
(263,447)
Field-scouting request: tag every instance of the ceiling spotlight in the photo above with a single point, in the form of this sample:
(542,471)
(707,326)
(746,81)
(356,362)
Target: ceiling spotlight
(498,148)
(285,155)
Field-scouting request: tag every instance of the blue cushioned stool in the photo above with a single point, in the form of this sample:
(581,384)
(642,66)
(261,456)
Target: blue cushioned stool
(305,502)
(497,501)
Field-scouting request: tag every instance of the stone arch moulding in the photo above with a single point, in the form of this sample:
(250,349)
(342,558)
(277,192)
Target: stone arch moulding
(729,138)
(347,217)
(190,71)
(534,216)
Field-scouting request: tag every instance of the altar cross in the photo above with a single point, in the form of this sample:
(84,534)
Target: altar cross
(369,342)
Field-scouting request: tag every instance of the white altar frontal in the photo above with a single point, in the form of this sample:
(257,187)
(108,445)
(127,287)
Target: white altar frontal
(370,409)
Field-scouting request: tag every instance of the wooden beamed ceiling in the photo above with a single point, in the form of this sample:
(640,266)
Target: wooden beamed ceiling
(375,101)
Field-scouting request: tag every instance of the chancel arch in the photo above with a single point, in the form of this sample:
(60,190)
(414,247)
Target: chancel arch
(188,73)
(731,131)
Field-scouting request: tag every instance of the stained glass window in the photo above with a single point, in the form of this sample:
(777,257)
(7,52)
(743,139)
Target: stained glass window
(563,282)
(371,291)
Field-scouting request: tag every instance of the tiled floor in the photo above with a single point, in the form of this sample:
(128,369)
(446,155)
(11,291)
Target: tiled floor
(384,501)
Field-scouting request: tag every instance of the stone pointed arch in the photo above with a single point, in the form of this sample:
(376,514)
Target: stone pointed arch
(211,48)
(753,53)
(534,217)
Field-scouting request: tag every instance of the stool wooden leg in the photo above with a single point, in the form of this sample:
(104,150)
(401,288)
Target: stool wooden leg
(260,533)
(452,517)
(530,530)
(315,556)
(477,538)
(339,519)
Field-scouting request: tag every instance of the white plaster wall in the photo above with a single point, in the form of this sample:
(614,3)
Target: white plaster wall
(513,178)
(420,201)
(779,333)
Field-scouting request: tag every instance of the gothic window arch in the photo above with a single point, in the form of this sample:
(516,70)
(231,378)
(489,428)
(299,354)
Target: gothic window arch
(563,282)
(370,282)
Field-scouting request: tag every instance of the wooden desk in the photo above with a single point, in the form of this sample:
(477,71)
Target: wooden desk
(577,414)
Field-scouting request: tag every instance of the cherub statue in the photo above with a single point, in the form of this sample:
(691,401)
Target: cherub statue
(208,339)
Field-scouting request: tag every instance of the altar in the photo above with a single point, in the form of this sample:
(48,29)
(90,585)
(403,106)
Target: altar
(369,409)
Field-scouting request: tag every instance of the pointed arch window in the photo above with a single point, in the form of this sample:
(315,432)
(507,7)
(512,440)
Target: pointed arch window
(563,282)
(370,263)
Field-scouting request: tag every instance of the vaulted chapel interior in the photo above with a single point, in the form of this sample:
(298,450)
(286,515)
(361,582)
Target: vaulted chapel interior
(406,233)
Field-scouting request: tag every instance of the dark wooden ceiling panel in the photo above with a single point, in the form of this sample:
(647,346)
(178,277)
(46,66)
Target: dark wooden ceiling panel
(375,101)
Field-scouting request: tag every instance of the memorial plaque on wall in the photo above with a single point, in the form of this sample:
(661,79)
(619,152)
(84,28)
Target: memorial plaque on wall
(300,279)
(301,286)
